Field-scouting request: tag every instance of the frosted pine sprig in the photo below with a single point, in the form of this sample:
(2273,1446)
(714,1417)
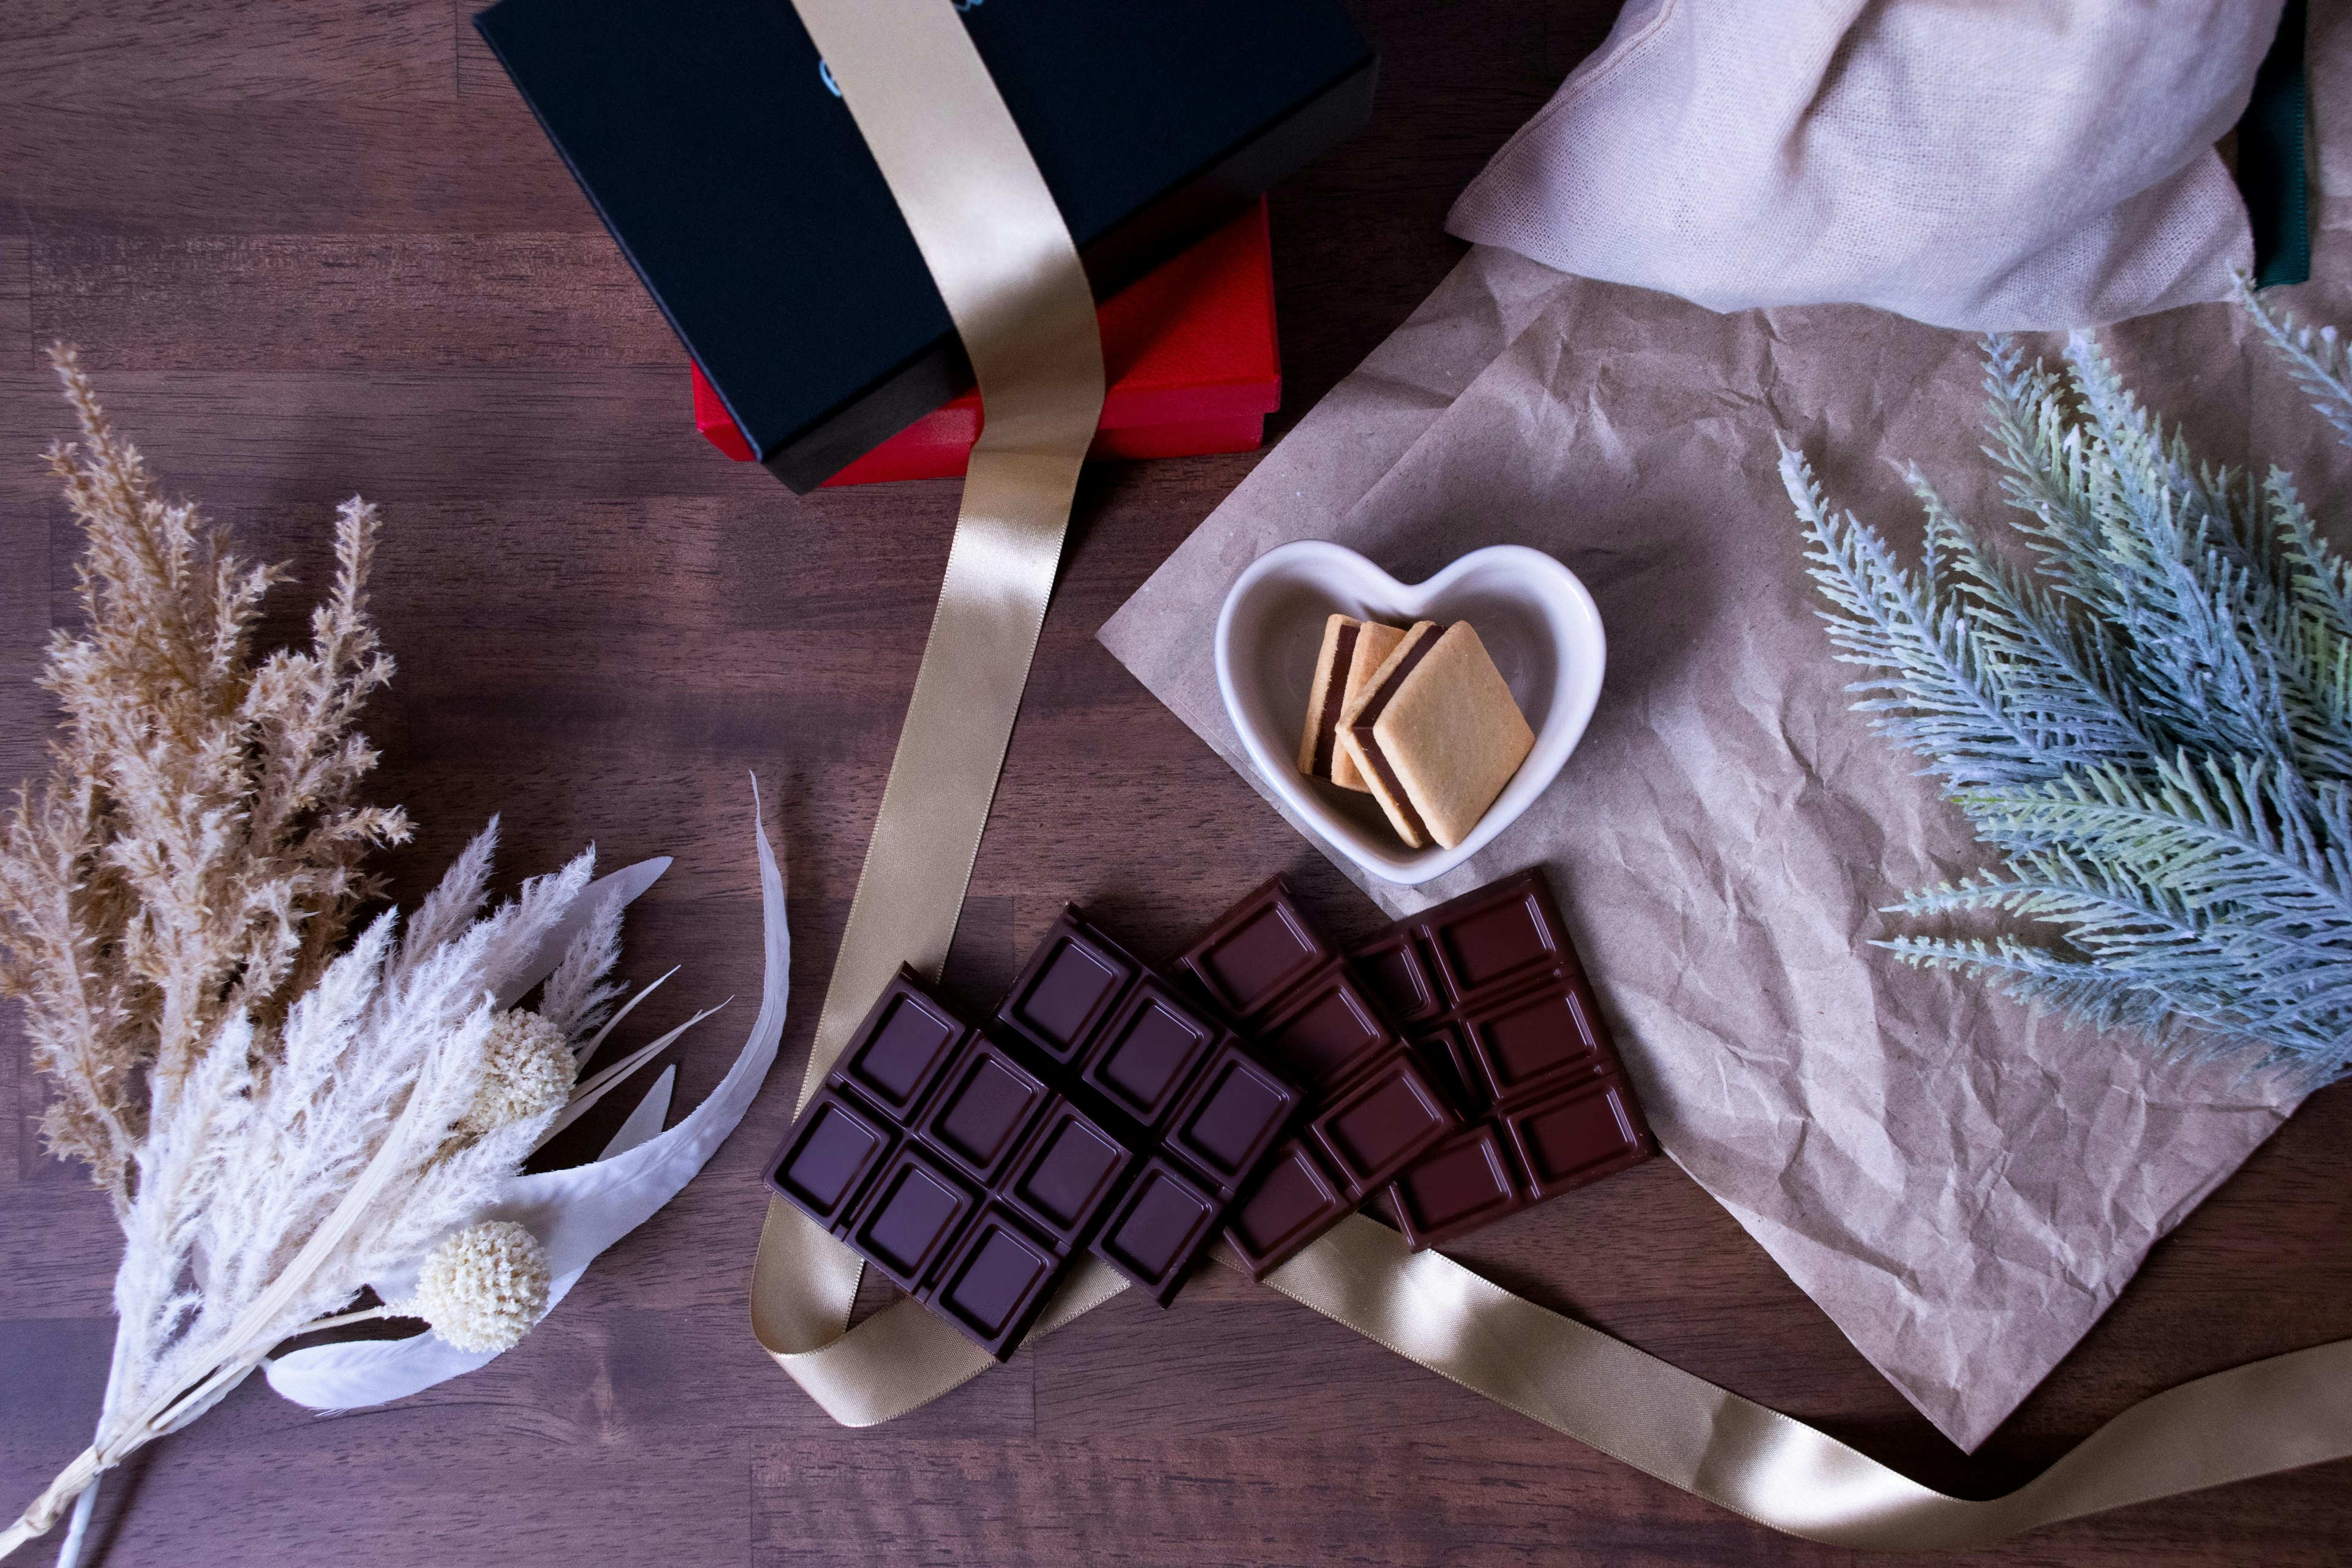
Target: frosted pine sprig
(2314,356)
(2152,723)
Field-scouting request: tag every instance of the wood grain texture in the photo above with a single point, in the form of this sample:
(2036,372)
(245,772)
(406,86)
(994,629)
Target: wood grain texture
(316,248)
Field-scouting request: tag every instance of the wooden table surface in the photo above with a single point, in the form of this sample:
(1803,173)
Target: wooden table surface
(316,248)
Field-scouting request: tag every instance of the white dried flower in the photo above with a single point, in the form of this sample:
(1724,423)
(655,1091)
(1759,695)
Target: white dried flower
(527,1070)
(484,1288)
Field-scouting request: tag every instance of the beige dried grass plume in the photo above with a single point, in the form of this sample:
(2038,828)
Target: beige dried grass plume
(194,850)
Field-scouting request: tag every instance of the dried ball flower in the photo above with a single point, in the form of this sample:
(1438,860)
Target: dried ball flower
(527,1069)
(484,1288)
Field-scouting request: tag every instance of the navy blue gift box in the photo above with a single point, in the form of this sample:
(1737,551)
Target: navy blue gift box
(713,145)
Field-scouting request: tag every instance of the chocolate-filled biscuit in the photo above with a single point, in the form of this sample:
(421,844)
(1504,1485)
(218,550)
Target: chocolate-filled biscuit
(1351,651)
(1436,734)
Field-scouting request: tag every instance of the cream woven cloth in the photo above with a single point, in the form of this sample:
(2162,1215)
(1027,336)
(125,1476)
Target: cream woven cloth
(1987,165)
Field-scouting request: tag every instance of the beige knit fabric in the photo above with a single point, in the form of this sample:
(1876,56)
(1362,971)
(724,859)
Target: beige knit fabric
(1988,164)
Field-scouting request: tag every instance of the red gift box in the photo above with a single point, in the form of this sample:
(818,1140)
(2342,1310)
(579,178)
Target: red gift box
(1188,351)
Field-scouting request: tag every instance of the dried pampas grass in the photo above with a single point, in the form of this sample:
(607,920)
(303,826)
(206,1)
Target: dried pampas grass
(195,851)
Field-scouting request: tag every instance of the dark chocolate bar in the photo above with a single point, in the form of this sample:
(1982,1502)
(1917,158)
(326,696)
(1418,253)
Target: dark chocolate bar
(1373,1109)
(1102,1110)
(1493,998)
(1456,1064)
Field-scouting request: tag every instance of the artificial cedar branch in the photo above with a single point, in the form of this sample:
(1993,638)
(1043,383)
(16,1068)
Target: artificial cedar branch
(2152,728)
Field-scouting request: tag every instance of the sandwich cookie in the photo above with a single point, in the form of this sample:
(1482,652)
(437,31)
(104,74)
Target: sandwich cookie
(1352,650)
(1435,733)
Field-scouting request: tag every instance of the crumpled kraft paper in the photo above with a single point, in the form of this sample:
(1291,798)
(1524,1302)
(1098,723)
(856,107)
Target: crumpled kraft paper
(1963,1184)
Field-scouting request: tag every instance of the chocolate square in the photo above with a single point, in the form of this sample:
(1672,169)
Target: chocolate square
(1234,1114)
(1528,1041)
(1158,1228)
(1145,1054)
(1326,1033)
(1067,1170)
(1071,984)
(1256,952)
(1463,1183)
(915,1213)
(994,1284)
(984,1107)
(836,1146)
(900,1048)
(1501,935)
(1293,1202)
(1381,1124)
(1577,1136)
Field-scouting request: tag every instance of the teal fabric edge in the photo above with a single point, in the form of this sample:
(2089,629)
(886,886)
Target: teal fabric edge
(2274,166)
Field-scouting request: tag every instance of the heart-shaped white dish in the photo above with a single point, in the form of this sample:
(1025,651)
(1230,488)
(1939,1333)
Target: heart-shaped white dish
(1534,616)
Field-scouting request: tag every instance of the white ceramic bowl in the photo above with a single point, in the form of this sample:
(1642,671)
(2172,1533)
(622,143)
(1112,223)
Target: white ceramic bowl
(1535,618)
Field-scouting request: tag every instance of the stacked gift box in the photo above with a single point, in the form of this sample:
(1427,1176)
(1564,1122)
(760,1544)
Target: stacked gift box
(717,149)
(1189,356)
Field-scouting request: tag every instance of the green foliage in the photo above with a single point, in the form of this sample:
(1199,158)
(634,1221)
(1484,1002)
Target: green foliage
(2148,713)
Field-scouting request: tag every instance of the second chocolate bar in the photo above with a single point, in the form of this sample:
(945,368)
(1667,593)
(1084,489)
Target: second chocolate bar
(1492,992)
(1372,1108)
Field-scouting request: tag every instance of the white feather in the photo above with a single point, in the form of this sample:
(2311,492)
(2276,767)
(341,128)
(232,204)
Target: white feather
(577,1214)
(588,1049)
(645,1121)
(587,1095)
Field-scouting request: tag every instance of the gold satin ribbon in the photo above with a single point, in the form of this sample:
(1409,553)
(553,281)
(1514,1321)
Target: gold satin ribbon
(1003,261)
(2255,1420)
